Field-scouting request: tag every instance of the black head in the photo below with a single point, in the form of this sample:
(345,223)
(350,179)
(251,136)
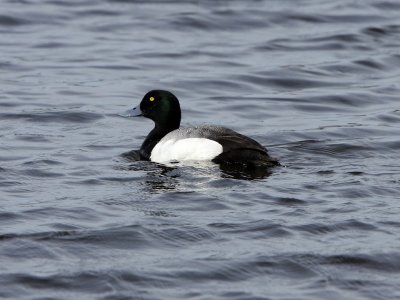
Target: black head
(160,106)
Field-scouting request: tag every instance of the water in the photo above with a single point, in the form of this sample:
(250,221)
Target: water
(317,82)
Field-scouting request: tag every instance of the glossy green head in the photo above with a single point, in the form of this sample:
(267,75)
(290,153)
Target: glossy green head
(160,106)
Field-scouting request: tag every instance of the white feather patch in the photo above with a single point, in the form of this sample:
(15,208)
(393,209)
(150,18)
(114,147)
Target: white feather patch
(185,149)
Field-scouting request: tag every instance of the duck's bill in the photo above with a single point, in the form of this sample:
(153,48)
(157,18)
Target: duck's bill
(135,112)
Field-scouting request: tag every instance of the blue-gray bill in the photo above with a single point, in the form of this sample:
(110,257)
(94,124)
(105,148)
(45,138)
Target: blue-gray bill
(135,112)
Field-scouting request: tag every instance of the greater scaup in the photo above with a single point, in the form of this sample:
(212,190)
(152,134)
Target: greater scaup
(167,142)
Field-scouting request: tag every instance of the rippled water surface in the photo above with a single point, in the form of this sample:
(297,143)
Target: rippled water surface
(317,82)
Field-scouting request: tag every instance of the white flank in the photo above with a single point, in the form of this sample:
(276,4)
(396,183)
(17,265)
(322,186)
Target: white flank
(185,149)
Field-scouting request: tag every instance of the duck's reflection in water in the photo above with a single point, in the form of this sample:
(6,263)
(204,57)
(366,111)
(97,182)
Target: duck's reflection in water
(164,176)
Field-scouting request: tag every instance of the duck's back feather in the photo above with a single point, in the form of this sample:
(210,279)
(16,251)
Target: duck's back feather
(235,146)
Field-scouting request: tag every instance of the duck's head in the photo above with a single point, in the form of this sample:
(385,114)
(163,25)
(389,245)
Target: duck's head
(160,106)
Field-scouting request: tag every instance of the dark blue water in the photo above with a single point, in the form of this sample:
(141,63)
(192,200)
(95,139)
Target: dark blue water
(316,82)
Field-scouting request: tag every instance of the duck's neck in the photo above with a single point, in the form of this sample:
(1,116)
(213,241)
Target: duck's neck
(153,138)
(167,118)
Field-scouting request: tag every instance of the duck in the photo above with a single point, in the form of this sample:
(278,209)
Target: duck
(168,142)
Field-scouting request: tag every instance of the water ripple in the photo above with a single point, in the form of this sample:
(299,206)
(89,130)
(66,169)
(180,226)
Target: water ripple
(316,83)
(57,117)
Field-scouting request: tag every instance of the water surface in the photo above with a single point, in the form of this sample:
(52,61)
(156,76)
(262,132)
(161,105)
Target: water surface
(316,82)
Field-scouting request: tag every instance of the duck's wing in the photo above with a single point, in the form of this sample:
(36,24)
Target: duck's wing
(236,148)
(232,140)
(228,138)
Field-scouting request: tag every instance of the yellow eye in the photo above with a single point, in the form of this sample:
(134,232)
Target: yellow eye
(151,99)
